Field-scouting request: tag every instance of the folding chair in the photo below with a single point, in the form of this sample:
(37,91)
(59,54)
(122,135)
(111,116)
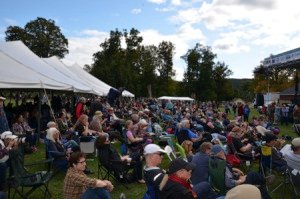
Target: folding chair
(246,160)
(88,148)
(169,152)
(216,169)
(107,169)
(181,151)
(267,169)
(294,177)
(297,128)
(20,178)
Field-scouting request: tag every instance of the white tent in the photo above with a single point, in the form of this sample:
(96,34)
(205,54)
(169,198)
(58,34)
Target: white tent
(176,98)
(93,81)
(15,75)
(61,67)
(20,53)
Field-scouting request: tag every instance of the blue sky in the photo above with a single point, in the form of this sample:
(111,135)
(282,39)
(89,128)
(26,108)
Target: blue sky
(240,32)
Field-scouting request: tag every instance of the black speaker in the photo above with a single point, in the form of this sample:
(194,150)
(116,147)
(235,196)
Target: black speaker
(112,95)
(260,99)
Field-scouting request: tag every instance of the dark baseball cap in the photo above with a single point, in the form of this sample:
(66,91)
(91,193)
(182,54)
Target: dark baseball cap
(269,137)
(179,164)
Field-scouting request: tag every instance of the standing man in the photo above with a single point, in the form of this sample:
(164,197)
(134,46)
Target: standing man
(3,120)
(152,173)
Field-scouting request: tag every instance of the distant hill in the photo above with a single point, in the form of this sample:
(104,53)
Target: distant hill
(238,83)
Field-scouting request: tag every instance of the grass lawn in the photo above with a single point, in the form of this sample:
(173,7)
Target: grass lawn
(135,190)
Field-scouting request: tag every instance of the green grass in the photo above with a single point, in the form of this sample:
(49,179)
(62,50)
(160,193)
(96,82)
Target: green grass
(135,190)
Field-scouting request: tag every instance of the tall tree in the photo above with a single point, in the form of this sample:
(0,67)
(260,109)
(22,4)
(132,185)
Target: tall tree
(42,36)
(199,74)
(165,68)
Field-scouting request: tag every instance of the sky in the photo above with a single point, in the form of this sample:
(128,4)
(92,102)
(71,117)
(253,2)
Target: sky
(241,32)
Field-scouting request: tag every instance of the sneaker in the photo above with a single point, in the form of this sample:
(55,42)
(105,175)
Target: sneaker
(142,181)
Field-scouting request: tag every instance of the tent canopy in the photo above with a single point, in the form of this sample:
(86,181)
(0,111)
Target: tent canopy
(17,51)
(93,81)
(15,75)
(176,98)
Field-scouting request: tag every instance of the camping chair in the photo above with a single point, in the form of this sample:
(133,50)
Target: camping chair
(57,165)
(88,148)
(216,169)
(20,178)
(294,176)
(117,170)
(297,128)
(246,160)
(267,169)
(181,151)
(169,152)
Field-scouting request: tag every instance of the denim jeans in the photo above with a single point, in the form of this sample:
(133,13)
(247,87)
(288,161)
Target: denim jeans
(95,193)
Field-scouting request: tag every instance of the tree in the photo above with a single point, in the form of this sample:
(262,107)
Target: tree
(41,36)
(165,68)
(272,79)
(205,79)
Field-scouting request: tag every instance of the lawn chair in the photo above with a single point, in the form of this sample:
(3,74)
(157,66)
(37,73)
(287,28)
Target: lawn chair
(20,178)
(181,151)
(169,152)
(268,171)
(116,169)
(216,169)
(88,148)
(294,176)
(245,160)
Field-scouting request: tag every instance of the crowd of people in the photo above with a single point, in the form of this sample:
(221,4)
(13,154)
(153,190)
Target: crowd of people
(201,128)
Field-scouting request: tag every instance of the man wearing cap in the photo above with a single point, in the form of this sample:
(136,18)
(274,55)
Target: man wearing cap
(176,185)
(152,173)
(292,155)
(3,120)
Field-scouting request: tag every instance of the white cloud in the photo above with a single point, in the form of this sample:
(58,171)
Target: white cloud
(176,2)
(157,1)
(10,22)
(82,47)
(136,11)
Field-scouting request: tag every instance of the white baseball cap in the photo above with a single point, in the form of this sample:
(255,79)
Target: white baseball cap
(8,135)
(2,98)
(153,148)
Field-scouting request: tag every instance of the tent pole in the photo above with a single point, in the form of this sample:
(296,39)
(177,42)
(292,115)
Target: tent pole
(39,115)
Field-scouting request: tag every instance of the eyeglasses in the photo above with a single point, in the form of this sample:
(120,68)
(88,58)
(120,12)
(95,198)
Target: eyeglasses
(83,161)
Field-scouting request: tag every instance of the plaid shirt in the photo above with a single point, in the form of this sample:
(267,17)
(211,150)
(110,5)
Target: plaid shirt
(75,184)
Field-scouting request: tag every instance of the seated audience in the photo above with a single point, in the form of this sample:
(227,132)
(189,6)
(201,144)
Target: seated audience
(108,154)
(200,159)
(22,128)
(234,176)
(175,184)
(152,173)
(78,185)
(278,162)
(292,155)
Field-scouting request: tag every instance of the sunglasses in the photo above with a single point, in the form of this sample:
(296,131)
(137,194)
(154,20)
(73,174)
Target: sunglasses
(81,162)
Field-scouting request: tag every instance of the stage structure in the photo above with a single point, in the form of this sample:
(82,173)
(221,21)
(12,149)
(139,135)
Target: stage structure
(286,60)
